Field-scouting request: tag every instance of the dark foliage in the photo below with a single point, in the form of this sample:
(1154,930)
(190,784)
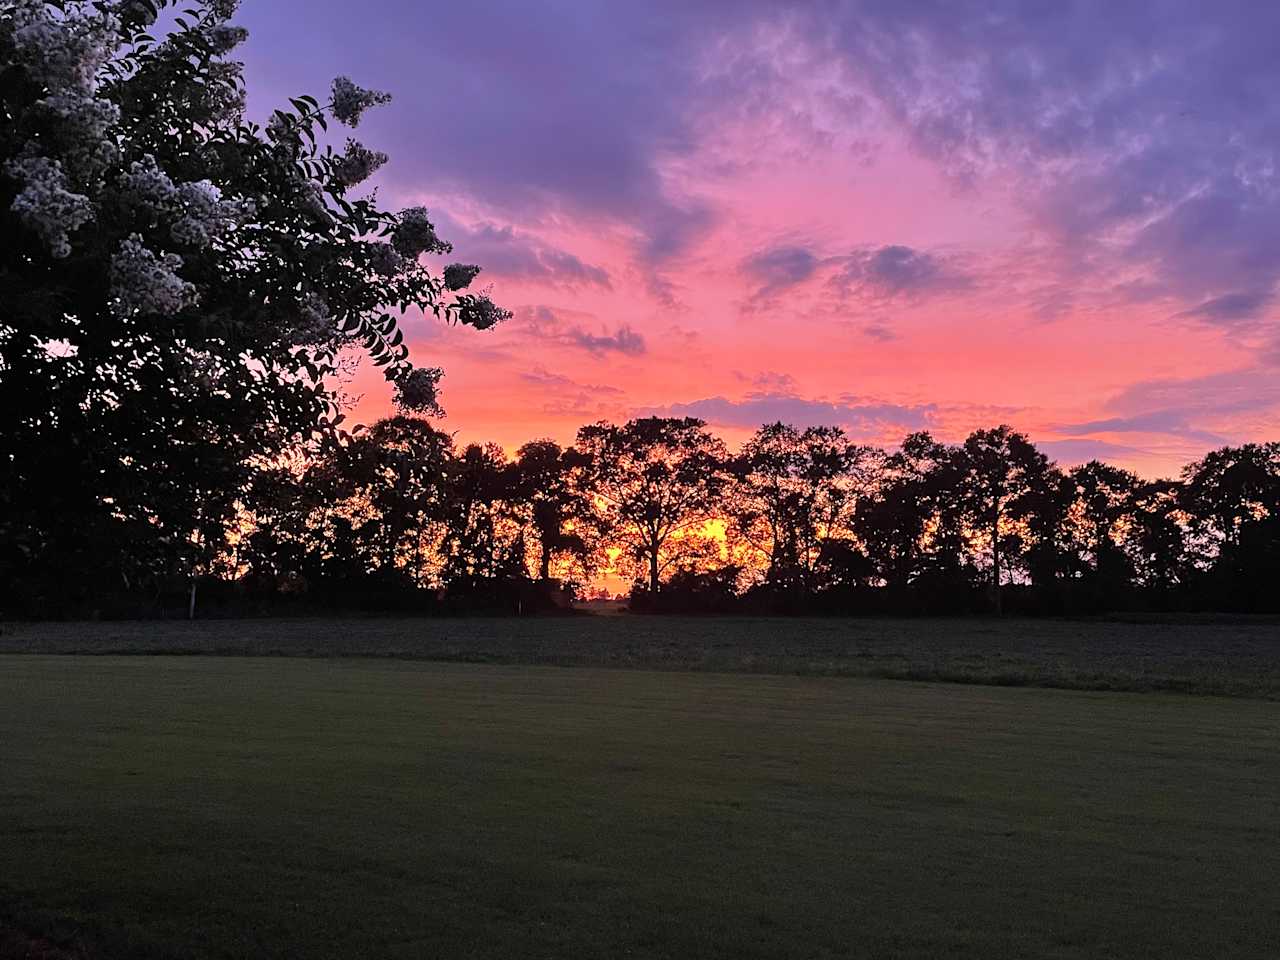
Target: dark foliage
(395,519)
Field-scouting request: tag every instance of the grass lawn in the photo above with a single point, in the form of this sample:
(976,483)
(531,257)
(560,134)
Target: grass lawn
(1238,657)
(237,807)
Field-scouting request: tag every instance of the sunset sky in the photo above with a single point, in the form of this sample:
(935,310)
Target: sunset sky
(888,215)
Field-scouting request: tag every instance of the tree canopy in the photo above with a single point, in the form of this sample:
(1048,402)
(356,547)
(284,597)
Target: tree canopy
(181,286)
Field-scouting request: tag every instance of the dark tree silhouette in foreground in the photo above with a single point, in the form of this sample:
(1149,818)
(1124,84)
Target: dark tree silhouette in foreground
(179,285)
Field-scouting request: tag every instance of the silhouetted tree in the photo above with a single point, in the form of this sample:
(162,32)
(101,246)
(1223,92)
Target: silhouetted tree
(546,479)
(652,480)
(387,496)
(1001,476)
(1159,539)
(891,524)
(279,541)
(484,541)
(1232,496)
(796,491)
(1104,523)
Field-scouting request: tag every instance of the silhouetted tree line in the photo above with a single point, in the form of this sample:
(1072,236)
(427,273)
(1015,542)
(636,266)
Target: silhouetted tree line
(398,517)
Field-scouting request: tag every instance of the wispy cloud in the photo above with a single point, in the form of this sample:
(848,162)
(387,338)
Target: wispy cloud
(506,252)
(777,268)
(623,340)
(550,325)
(898,271)
(862,416)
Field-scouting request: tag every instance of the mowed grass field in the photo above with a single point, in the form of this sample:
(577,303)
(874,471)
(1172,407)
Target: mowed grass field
(267,807)
(1239,657)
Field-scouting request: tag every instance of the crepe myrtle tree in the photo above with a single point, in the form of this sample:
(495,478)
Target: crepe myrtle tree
(179,285)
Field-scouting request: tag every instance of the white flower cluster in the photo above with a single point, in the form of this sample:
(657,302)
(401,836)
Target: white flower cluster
(225,37)
(146,185)
(223,9)
(63,48)
(281,127)
(144,283)
(198,213)
(45,204)
(225,92)
(350,101)
(314,203)
(205,216)
(481,312)
(86,125)
(419,390)
(458,276)
(315,322)
(64,52)
(384,260)
(357,164)
(414,234)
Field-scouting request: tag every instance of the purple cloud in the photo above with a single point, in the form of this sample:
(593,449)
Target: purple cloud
(1142,136)
(507,252)
(1075,451)
(542,377)
(769,381)
(859,415)
(900,271)
(528,108)
(778,268)
(566,397)
(544,323)
(624,340)
(1230,309)
(1172,422)
(1181,408)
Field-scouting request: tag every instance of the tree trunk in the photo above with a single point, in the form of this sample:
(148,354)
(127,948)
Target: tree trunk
(997,599)
(653,571)
(544,561)
(191,601)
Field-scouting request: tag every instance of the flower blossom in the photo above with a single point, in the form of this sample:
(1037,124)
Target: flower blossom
(480,312)
(147,186)
(144,283)
(223,10)
(384,261)
(313,201)
(197,210)
(224,38)
(414,234)
(458,276)
(45,205)
(315,321)
(357,164)
(85,124)
(419,391)
(205,216)
(351,101)
(64,53)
